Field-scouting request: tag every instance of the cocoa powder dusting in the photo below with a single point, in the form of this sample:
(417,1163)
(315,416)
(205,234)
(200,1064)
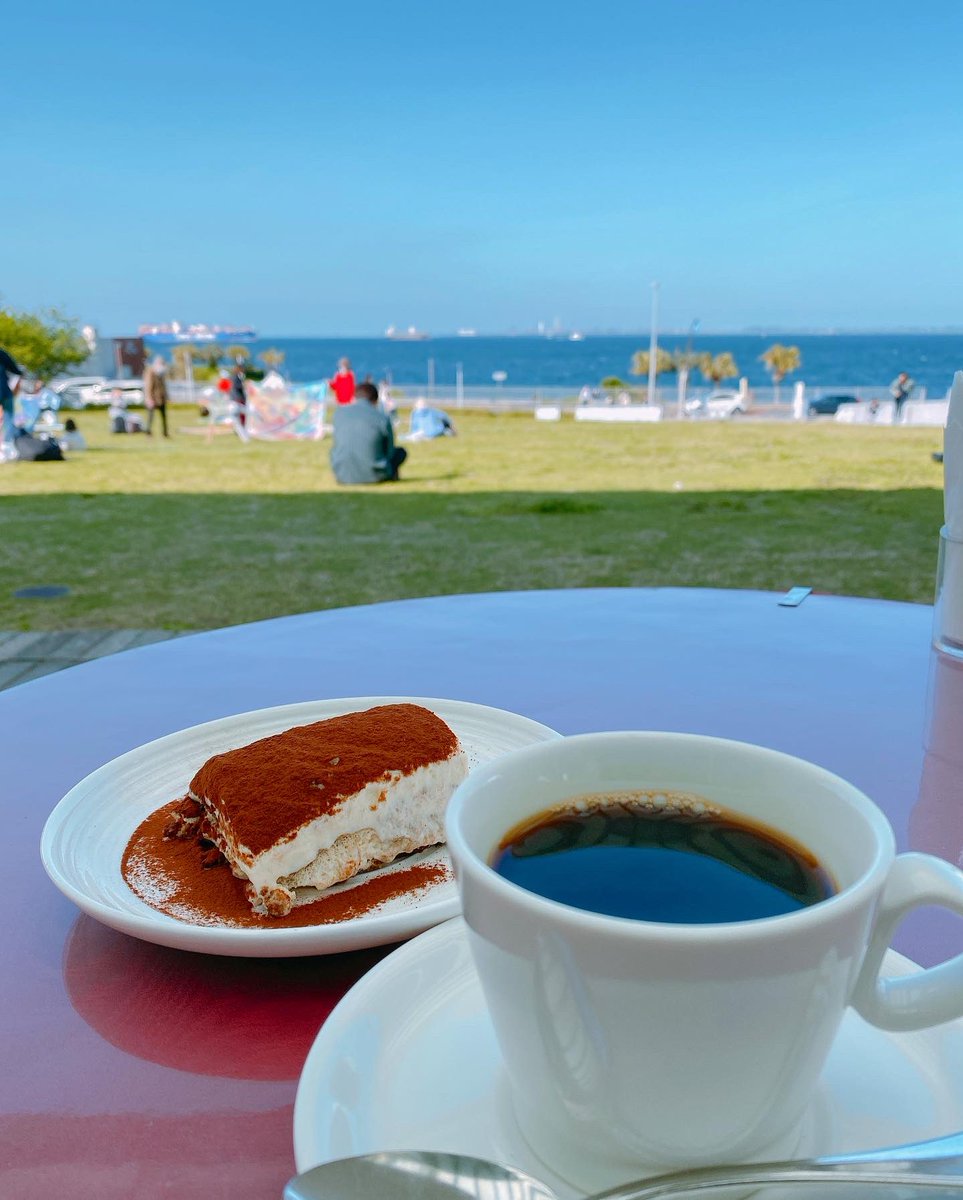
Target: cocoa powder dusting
(265,791)
(168,874)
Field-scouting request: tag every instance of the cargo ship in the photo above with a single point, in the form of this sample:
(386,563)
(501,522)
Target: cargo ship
(411,334)
(175,332)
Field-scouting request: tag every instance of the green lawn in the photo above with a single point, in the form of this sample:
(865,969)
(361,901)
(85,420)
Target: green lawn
(193,534)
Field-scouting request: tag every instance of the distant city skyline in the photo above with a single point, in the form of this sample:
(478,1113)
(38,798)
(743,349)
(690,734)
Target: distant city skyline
(314,171)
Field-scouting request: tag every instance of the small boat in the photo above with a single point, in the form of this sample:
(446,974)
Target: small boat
(576,337)
(467,333)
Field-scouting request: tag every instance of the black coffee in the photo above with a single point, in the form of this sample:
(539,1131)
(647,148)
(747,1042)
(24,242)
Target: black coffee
(670,860)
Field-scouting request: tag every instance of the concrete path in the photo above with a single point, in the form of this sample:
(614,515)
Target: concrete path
(26,656)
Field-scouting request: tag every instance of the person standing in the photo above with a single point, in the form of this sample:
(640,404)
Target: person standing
(901,389)
(364,448)
(8,369)
(343,384)
(239,391)
(155,394)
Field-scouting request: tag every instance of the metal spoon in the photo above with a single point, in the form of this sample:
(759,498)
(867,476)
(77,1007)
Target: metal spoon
(432,1175)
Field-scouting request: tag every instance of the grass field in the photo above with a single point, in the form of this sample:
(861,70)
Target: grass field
(194,534)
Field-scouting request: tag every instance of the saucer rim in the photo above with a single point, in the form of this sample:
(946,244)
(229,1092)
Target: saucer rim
(409,957)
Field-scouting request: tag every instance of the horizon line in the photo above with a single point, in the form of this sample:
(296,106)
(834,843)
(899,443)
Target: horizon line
(745,331)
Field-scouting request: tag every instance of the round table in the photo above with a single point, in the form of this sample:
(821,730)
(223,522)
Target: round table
(132,1069)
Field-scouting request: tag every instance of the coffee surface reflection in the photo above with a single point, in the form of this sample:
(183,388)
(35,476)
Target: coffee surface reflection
(661,857)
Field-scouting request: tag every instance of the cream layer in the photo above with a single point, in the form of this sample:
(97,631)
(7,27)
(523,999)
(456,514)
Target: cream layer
(372,826)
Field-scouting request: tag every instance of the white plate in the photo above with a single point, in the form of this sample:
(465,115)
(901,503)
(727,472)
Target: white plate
(408,1061)
(86,834)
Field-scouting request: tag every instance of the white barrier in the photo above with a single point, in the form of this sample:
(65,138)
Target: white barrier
(881,413)
(925,412)
(548,412)
(629,412)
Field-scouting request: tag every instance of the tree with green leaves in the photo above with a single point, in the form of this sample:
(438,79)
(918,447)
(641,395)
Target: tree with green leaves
(780,361)
(714,368)
(46,344)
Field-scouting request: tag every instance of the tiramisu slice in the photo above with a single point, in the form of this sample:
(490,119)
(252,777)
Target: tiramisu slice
(316,804)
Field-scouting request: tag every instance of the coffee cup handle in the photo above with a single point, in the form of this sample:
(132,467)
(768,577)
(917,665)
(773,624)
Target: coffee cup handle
(926,997)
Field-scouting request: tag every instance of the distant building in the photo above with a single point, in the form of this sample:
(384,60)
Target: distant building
(115,358)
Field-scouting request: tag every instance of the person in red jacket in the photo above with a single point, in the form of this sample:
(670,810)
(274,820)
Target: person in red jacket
(343,383)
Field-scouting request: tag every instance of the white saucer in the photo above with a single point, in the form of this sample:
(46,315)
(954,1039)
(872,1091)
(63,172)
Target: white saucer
(408,1061)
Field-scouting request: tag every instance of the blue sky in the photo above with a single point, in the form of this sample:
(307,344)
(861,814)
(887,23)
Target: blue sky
(330,168)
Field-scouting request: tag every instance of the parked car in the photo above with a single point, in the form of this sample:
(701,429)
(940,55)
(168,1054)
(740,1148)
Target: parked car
(827,406)
(131,390)
(71,390)
(719,405)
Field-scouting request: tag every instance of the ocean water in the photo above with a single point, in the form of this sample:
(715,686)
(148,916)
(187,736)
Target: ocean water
(829,361)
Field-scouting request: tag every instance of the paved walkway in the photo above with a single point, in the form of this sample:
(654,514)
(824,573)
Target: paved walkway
(26,656)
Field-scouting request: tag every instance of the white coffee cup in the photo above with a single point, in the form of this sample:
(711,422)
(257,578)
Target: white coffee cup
(634,1046)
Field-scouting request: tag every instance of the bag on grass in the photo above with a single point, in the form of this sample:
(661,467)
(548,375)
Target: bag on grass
(37,449)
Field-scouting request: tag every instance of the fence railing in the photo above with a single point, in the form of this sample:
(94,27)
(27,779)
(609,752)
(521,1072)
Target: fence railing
(769,402)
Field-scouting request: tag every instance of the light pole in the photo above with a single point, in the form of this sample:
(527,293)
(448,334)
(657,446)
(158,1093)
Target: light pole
(653,345)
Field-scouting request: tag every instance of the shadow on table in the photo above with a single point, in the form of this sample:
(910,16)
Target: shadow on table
(239,1018)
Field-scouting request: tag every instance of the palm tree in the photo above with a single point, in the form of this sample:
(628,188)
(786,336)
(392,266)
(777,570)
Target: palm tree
(685,361)
(780,361)
(272,358)
(716,367)
(664,362)
(238,352)
(183,356)
(212,354)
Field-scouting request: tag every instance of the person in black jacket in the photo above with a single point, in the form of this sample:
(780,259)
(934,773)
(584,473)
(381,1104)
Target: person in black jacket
(8,368)
(239,390)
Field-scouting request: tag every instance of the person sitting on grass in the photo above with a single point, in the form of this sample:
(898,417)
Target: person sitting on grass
(364,449)
(71,438)
(119,419)
(428,422)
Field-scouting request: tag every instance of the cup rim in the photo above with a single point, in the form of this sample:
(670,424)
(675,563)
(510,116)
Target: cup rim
(466,859)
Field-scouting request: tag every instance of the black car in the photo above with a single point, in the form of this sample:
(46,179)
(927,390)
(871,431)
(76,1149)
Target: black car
(827,405)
